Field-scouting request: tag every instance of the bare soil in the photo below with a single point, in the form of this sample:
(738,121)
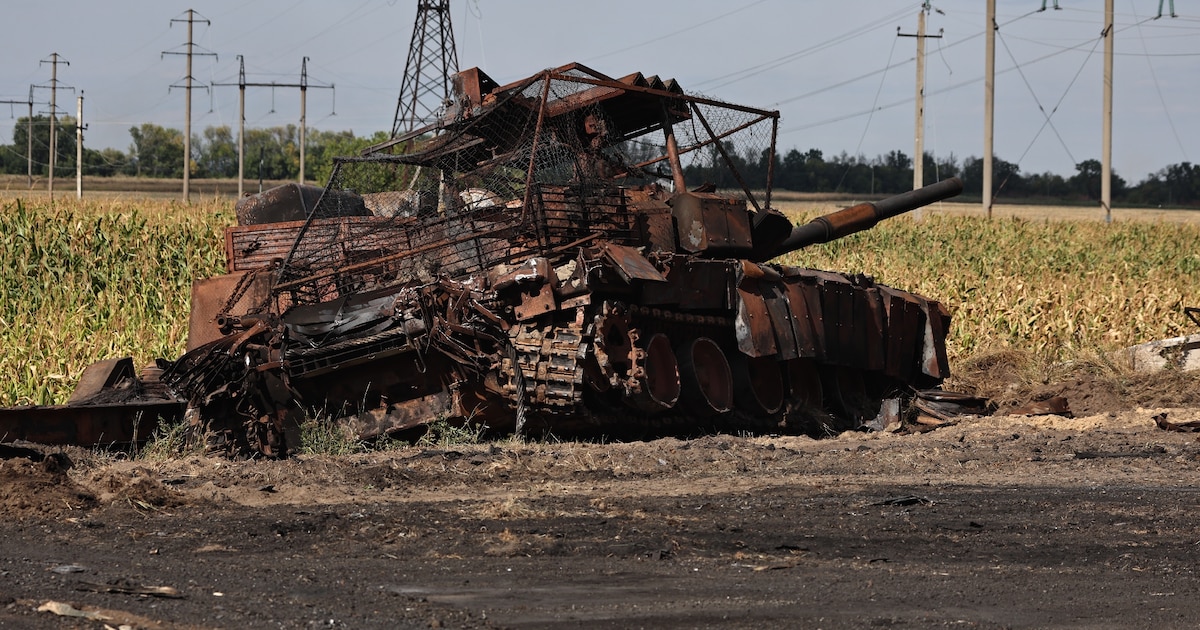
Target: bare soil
(992,522)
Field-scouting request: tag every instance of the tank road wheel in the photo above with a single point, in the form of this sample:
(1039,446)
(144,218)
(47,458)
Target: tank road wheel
(707,378)
(804,384)
(646,374)
(846,396)
(759,381)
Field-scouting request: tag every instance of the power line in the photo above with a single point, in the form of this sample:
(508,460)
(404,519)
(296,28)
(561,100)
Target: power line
(1158,86)
(187,128)
(54,60)
(757,69)
(242,84)
(659,38)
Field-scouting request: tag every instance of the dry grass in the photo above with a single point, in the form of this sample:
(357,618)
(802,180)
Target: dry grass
(1056,289)
(83,281)
(86,280)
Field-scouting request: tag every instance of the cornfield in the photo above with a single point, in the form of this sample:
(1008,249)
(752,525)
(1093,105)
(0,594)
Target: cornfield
(1057,289)
(83,281)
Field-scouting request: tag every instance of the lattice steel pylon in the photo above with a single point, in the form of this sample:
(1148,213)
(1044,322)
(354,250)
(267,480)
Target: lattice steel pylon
(431,62)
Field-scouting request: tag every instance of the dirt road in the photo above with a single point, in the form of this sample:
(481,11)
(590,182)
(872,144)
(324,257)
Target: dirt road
(994,522)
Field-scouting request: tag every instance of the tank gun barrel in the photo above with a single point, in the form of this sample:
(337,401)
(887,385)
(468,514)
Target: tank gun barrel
(864,216)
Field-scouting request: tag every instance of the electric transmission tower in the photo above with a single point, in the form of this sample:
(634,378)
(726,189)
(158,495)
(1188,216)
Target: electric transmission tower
(431,61)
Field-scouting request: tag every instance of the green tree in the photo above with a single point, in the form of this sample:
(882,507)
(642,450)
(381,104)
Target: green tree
(323,146)
(1006,177)
(64,147)
(215,153)
(1087,179)
(156,151)
(106,162)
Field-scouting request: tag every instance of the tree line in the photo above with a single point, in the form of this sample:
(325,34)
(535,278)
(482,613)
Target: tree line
(157,152)
(1176,185)
(273,153)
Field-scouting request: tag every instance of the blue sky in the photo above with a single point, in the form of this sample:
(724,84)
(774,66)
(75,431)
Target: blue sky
(842,79)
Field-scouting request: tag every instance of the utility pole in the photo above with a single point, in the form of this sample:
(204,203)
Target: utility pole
(29,139)
(989,103)
(303,92)
(1106,142)
(28,132)
(79,127)
(54,60)
(187,83)
(242,85)
(919,148)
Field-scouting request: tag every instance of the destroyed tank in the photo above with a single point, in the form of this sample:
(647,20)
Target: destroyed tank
(536,261)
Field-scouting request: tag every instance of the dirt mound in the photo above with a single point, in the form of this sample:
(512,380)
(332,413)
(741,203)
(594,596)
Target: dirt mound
(1012,379)
(40,488)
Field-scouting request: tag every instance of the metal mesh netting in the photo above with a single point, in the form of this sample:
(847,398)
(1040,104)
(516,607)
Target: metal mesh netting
(533,168)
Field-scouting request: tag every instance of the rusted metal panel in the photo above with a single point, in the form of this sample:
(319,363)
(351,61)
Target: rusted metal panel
(782,322)
(211,296)
(534,304)
(119,424)
(752,325)
(836,312)
(405,414)
(803,325)
(868,318)
(630,264)
(711,223)
(905,333)
(696,284)
(101,375)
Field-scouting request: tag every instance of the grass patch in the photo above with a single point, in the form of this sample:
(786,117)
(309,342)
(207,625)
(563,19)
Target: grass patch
(442,433)
(324,436)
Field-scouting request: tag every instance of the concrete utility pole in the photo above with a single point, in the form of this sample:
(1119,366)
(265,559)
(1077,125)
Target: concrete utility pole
(989,103)
(28,132)
(187,125)
(919,135)
(1106,142)
(54,60)
(303,92)
(29,139)
(242,84)
(79,127)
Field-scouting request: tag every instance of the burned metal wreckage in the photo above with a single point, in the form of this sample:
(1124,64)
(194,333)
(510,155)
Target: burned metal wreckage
(523,263)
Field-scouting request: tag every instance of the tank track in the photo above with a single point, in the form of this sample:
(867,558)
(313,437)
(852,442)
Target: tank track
(544,371)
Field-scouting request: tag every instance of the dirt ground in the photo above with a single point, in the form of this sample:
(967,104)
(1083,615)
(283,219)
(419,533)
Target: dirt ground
(993,522)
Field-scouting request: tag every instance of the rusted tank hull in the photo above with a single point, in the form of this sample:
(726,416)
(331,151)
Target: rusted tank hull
(535,261)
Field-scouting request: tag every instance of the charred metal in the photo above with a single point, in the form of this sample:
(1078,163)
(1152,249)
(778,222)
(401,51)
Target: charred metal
(535,261)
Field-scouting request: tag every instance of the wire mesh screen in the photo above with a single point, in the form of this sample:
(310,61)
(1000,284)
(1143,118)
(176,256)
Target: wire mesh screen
(530,170)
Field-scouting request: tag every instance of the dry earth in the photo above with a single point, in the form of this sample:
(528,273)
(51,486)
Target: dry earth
(1003,521)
